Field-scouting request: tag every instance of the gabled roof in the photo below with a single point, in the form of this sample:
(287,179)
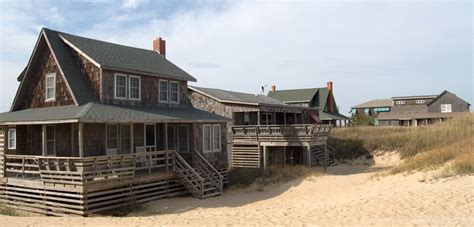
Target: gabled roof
(224,96)
(415,97)
(443,93)
(375,103)
(125,58)
(294,95)
(94,112)
(49,40)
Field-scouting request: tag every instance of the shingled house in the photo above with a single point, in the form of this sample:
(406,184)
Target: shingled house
(264,131)
(322,98)
(96,125)
(414,110)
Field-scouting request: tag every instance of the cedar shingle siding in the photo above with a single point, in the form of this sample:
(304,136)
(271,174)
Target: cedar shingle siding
(457,104)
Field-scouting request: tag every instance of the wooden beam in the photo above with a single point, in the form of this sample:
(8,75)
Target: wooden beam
(264,157)
(284,118)
(258,117)
(284,155)
(80,139)
(308,148)
(132,140)
(43,140)
(166,136)
(326,157)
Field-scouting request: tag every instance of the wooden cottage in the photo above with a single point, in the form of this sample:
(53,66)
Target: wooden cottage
(96,125)
(414,110)
(321,98)
(264,131)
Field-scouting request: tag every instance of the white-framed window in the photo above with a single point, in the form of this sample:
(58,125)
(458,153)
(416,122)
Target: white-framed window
(50,140)
(120,86)
(446,108)
(211,136)
(163,91)
(174,91)
(50,87)
(112,137)
(420,101)
(216,137)
(134,88)
(12,138)
(402,102)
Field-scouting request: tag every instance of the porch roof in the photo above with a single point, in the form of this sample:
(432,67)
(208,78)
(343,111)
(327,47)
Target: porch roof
(100,113)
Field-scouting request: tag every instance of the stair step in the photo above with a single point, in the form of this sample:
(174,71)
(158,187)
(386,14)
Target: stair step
(212,195)
(209,189)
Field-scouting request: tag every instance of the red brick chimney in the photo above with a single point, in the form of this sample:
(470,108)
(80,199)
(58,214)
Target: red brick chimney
(159,45)
(274,88)
(330,97)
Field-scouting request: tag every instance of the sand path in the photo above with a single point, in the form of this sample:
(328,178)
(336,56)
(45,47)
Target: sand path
(348,195)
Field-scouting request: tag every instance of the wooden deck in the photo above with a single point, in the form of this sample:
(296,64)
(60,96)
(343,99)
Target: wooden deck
(250,142)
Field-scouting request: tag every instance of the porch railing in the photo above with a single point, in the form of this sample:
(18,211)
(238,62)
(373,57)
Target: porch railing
(305,132)
(86,170)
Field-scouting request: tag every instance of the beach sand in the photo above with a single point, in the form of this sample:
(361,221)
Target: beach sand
(350,194)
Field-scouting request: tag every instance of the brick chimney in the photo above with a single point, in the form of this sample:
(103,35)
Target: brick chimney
(159,45)
(274,88)
(330,97)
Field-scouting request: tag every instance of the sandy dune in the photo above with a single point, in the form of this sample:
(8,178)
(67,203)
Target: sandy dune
(348,195)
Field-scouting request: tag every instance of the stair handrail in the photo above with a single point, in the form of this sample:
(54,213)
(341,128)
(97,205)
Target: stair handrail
(186,164)
(213,169)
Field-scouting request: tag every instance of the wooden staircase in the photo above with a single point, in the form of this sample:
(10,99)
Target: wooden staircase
(203,181)
(318,153)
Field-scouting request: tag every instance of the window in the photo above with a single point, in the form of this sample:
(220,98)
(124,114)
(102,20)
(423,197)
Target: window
(211,138)
(134,87)
(206,137)
(112,136)
(183,139)
(120,86)
(400,102)
(50,141)
(216,137)
(50,90)
(125,138)
(446,108)
(12,138)
(174,92)
(150,135)
(420,101)
(163,88)
(171,145)
(246,118)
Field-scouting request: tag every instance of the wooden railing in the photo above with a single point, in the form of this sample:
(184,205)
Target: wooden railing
(306,132)
(21,166)
(153,160)
(189,177)
(210,173)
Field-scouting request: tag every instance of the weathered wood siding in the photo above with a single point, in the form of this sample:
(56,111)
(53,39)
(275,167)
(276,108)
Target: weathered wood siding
(413,101)
(90,72)
(2,153)
(457,104)
(36,92)
(218,159)
(149,91)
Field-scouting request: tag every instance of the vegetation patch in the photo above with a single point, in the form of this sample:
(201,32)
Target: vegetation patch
(8,211)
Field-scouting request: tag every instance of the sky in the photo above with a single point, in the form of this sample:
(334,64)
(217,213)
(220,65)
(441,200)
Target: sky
(369,49)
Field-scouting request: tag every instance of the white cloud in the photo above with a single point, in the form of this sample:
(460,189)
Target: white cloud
(132,4)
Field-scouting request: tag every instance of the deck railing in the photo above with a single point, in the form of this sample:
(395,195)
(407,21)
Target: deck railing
(305,132)
(86,170)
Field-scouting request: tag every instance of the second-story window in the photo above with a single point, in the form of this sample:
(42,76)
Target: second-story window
(420,101)
(446,108)
(174,92)
(120,86)
(134,87)
(163,91)
(50,90)
(400,102)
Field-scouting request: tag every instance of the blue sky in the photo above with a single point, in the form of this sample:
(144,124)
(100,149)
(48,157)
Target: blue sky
(370,49)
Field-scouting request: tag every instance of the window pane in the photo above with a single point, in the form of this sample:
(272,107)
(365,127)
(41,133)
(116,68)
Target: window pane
(111,136)
(121,86)
(171,138)
(49,132)
(50,81)
(183,138)
(216,137)
(150,135)
(12,138)
(134,88)
(164,91)
(174,87)
(207,137)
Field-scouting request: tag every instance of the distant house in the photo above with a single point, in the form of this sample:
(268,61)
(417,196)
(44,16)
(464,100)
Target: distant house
(265,131)
(97,125)
(322,98)
(413,110)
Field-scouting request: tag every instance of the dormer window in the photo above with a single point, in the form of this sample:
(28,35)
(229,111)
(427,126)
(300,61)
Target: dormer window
(402,102)
(420,101)
(120,86)
(50,90)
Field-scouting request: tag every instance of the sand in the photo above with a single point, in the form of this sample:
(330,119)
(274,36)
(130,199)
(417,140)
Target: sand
(350,194)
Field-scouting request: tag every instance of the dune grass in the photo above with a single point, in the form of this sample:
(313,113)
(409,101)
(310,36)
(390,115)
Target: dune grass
(421,147)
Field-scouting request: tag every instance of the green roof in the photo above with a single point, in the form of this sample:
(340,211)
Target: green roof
(120,57)
(100,113)
(332,116)
(295,95)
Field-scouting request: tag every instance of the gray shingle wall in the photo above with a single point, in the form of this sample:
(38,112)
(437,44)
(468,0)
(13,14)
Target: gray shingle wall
(457,104)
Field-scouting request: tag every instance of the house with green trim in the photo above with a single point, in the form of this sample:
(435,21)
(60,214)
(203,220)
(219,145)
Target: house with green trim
(321,98)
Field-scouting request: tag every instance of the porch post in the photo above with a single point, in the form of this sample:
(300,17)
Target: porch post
(132,140)
(264,157)
(43,140)
(166,136)
(284,155)
(258,117)
(325,157)
(81,142)
(308,148)
(284,118)
(295,118)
